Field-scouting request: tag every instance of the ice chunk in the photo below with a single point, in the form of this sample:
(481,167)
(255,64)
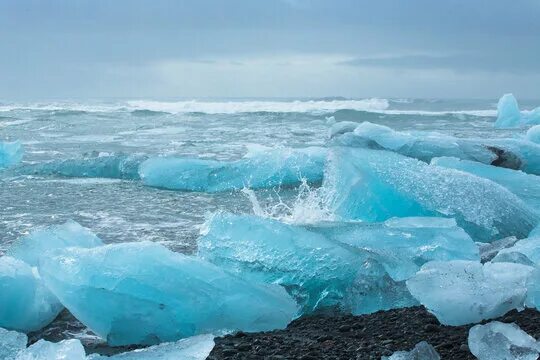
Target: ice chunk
(109,166)
(422,351)
(461,292)
(45,350)
(525,186)
(142,293)
(533,134)
(530,248)
(11,153)
(341,127)
(193,348)
(333,263)
(284,167)
(489,250)
(374,185)
(25,303)
(509,115)
(11,343)
(29,248)
(500,341)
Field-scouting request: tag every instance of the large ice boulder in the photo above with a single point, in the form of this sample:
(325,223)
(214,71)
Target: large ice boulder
(283,167)
(422,351)
(193,348)
(461,292)
(533,134)
(509,115)
(11,343)
(11,153)
(500,341)
(25,303)
(143,293)
(375,185)
(45,350)
(334,263)
(525,186)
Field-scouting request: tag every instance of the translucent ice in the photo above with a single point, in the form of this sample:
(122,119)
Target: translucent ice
(25,303)
(11,343)
(193,348)
(284,167)
(142,293)
(500,341)
(533,134)
(525,186)
(11,153)
(422,351)
(529,247)
(461,292)
(45,350)
(332,263)
(509,115)
(535,231)
(375,185)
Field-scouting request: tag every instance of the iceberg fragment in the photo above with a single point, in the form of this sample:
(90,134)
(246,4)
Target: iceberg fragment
(11,343)
(143,293)
(509,115)
(500,341)
(193,348)
(461,292)
(489,250)
(25,303)
(284,167)
(525,186)
(529,248)
(374,185)
(45,350)
(422,351)
(533,134)
(334,263)
(11,153)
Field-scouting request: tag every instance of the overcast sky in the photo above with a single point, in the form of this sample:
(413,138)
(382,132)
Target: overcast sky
(270,48)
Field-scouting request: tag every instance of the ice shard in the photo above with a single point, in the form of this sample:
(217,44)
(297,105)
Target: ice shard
(461,292)
(45,350)
(422,351)
(11,343)
(509,115)
(11,153)
(333,263)
(525,186)
(533,134)
(500,341)
(375,185)
(143,293)
(284,167)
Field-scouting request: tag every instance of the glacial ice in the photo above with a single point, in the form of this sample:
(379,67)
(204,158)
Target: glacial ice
(489,250)
(529,247)
(193,348)
(118,166)
(422,351)
(533,134)
(282,167)
(375,185)
(535,231)
(500,341)
(460,292)
(510,153)
(45,350)
(333,263)
(11,343)
(11,153)
(25,303)
(525,186)
(509,115)
(143,293)
(31,247)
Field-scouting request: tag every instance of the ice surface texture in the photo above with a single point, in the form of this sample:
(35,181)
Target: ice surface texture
(11,343)
(533,134)
(500,341)
(375,185)
(142,293)
(11,153)
(509,115)
(335,263)
(422,351)
(285,167)
(525,186)
(461,292)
